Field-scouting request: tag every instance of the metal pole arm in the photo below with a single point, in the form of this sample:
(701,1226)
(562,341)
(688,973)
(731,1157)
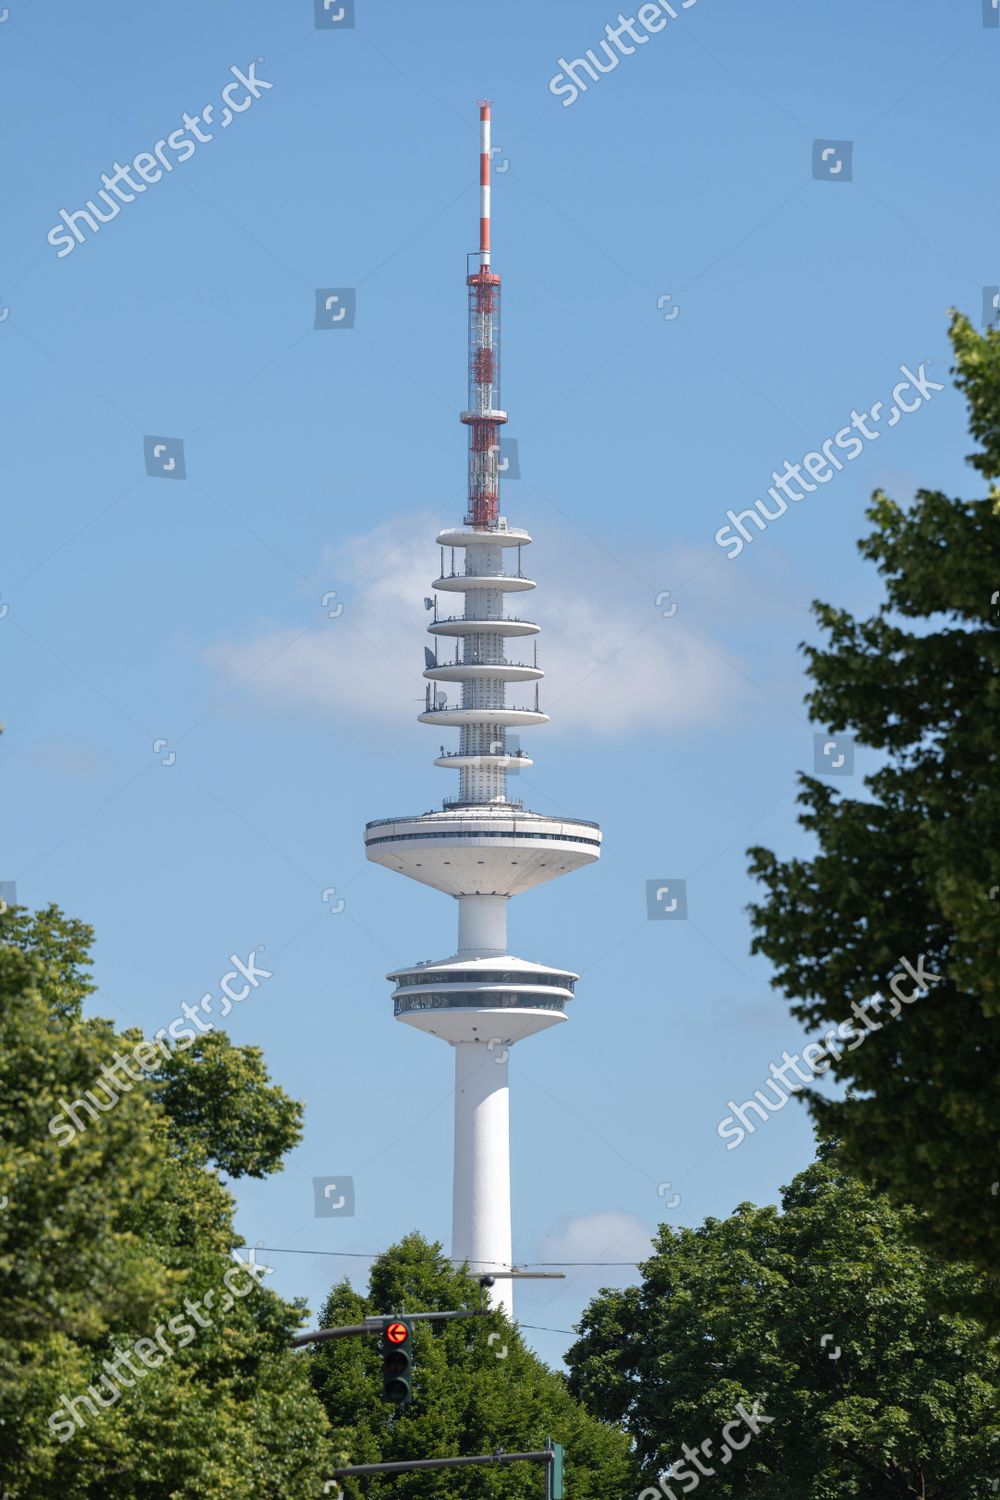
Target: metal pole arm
(545,1456)
(331,1333)
(378,1324)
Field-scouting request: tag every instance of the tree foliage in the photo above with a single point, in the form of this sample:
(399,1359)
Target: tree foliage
(826,1315)
(476,1389)
(106,1236)
(219,1099)
(912,867)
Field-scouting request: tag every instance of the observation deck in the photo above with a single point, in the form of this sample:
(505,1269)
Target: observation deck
(493,1000)
(482,849)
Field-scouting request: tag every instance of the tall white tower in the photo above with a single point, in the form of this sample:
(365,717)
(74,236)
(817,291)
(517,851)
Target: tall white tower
(482,848)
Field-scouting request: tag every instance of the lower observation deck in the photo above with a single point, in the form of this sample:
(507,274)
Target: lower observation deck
(488,850)
(499,999)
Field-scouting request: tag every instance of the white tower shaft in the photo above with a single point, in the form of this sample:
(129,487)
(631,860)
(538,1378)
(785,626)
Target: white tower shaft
(481,1232)
(482,925)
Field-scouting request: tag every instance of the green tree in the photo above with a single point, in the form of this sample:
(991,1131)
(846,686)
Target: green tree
(826,1316)
(911,867)
(105,1236)
(476,1389)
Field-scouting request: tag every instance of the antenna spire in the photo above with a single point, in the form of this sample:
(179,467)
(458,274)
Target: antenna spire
(484,183)
(484,416)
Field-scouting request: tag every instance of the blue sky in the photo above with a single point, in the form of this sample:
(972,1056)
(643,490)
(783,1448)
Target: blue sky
(142,609)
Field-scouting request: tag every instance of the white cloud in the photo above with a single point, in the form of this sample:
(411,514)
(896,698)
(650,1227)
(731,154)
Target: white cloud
(600,1237)
(613,663)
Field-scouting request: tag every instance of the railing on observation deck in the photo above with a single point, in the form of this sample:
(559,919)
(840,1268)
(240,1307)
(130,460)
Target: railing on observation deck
(471,619)
(471,802)
(503,662)
(500,1001)
(433,812)
(456,573)
(507,708)
(455,754)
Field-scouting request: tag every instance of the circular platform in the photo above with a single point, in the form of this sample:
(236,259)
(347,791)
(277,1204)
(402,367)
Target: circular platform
(475,671)
(464,583)
(458,625)
(456,761)
(482,850)
(507,718)
(496,1000)
(502,536)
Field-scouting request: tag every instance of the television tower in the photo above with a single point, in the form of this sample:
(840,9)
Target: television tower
(483,847)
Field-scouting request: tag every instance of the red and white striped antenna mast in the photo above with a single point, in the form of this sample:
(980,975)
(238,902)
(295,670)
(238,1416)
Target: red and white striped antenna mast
(484,184)
(485,415)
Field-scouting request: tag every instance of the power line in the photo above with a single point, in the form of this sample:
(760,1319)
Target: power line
(369,1255)
(348,1254)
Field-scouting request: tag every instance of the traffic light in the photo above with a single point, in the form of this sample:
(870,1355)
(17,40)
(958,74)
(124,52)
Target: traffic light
(397,1361)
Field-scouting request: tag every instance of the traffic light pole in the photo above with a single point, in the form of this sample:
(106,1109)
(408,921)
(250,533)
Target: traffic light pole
(551,1456)
(379,1325)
